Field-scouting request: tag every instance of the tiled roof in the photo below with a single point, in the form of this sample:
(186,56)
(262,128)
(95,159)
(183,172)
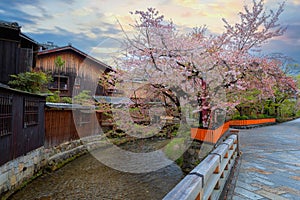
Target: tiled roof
(15,26)
(11,25)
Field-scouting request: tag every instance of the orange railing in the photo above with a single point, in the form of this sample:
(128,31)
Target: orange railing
(209,135)
(251,122)
(212,136)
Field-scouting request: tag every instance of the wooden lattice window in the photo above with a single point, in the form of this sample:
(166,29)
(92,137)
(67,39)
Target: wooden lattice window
(31,112)
(5,115)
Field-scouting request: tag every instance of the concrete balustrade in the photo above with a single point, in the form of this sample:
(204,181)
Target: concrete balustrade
(208,179)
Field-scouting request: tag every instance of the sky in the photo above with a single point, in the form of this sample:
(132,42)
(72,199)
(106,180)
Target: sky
(94,26)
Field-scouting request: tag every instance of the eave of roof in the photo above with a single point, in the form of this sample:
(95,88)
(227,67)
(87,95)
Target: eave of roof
(69,47)
(6,87)
(69,106)
(113,100)
(22,35)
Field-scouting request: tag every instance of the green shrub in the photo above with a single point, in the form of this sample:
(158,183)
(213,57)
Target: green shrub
(263,116)
(238,117)
(83,98)
(252,117)
(33,81)
(298,113)
(66,100)
(54,98)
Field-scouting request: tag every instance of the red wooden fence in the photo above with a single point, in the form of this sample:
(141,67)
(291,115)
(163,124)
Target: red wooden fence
(209,135)
(251,122)
(212,136)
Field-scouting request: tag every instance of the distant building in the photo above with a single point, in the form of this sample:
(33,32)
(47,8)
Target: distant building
(17,51)
(47,46)
(80,71)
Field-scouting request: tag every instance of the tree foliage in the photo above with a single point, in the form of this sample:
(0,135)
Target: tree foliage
(33,81)
(83,98)
(59,63)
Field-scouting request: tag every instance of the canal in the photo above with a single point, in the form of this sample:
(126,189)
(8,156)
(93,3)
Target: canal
(87,178)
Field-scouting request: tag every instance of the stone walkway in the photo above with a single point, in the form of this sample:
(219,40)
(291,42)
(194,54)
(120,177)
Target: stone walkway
(270,164)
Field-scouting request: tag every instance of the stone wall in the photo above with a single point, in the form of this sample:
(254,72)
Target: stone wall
(15,172)
(20,169)
(198,150)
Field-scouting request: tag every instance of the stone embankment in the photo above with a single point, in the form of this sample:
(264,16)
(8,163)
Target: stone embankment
(16,173)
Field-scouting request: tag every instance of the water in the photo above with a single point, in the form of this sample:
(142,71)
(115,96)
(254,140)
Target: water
(87,178)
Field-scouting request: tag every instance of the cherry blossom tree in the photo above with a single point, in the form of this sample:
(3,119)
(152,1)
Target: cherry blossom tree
(200,68)
(266,82)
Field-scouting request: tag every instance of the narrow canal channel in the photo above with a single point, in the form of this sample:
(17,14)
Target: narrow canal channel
(88,178)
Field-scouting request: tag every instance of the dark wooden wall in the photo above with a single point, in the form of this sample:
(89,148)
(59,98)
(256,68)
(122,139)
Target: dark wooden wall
(22,139)
(9,60)
(17,54)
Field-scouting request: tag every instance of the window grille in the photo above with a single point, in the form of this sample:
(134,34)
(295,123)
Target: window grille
(31,112)
(63,83)
(5,115)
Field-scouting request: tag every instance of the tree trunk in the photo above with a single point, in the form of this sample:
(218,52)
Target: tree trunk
(240,110)
(58,83)
(205,105)
(276,111)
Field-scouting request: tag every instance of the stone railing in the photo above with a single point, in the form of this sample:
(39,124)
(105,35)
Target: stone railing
(207,180)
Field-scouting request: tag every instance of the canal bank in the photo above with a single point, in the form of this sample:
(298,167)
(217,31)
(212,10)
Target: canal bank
(87,178)
(48,160)
(159,181)
(18,172)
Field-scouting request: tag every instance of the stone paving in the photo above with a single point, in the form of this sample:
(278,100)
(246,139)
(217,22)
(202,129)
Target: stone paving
(270,163)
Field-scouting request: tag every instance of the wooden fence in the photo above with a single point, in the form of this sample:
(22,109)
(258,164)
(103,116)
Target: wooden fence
(209,135)
(207,180)
(63,125)
(213,135)
(248,122)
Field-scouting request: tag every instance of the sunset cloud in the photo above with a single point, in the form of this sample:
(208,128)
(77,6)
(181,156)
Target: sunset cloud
(87,23)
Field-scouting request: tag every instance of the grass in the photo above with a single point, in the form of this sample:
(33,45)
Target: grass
(64,162)
(175,148)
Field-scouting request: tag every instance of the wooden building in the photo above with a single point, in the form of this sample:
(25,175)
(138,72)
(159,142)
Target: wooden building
(17,51)
(22,126)
(80,71)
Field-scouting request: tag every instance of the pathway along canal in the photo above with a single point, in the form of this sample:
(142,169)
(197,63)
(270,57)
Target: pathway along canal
(88,178)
